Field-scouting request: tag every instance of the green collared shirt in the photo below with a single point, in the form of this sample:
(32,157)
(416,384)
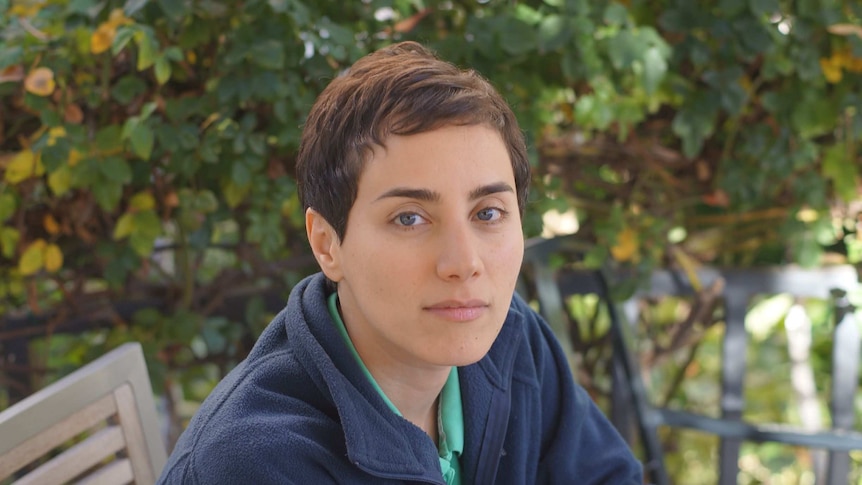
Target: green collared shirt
(450,415)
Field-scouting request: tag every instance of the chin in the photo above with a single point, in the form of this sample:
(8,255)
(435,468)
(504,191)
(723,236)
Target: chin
(460,357)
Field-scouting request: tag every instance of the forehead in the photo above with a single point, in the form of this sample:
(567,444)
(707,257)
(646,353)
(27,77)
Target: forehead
(445,159)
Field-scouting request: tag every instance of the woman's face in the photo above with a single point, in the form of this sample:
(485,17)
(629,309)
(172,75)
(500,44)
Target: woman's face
(433,247)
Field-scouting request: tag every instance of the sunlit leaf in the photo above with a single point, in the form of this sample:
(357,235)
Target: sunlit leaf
(148,227)
(125,226)
(8,205)
(235,194)
(162,70)
(60,180)
(24,165)
(33,258)
(142,201)
(9,237)
(53,258)
(838,167)
(147,49)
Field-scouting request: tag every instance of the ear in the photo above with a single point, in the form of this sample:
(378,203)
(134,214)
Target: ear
(324,244)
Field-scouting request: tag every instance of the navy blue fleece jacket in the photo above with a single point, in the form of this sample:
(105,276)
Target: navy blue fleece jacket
(299,410)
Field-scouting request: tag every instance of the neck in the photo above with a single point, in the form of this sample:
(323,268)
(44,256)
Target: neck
(415,392)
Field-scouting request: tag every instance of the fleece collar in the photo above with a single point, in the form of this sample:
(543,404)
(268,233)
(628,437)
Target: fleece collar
(379,441)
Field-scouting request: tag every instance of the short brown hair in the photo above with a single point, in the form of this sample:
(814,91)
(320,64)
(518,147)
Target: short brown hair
(403,89)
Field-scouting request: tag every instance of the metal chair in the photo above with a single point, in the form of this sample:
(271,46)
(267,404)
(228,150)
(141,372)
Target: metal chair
(550,287)
(96,425)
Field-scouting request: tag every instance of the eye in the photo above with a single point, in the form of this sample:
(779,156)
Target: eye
(409,219)
(490,214)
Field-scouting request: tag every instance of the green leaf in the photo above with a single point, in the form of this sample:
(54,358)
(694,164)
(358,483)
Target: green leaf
(107,194)
(838,166)
(8,205)
(814,114)
(147,48)
(9,237)
(234,194)
(625,48)
(90,8)
(727,83)
(206,201)
(616,14)
(764,7)
(655,68)
(174,53)
(240,174)
(116,169)
(517,37)
(125,33)
(109,139)
(10,55)
(174,9)
(268,54)
(553,33)
(696,121)
(162,70)
(147,229)
(128,88)
(142,140)
(132,6)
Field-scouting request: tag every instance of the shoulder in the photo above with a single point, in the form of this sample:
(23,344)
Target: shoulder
(539,344)
(264,411)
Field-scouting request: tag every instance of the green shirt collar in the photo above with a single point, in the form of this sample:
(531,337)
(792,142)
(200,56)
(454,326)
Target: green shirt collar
(450,418)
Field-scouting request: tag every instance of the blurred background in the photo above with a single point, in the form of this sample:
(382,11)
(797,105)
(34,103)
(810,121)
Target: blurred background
(147,192)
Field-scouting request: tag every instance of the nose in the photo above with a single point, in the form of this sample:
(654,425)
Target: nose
(459,256)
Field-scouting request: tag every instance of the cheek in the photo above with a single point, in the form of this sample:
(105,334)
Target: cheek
(507,257)
(380,268)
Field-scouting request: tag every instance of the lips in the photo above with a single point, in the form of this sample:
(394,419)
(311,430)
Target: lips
(459,311)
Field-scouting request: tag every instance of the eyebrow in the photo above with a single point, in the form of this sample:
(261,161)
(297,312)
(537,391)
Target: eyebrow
(432,196)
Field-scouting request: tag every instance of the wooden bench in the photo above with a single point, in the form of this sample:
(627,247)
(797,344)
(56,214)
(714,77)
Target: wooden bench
(631,408)
(97,425)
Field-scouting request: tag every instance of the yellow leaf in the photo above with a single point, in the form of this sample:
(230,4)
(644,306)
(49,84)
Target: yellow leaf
(53,258)
(24,164)
(60,180)
(74,157)
(8,241)
(102,38)
(627,245)
(26,10)
(831,70)
(118,18)
(125,226)
(40,81)
(54,134)
(33,258)
(51,224)
(142,201)
(234,194)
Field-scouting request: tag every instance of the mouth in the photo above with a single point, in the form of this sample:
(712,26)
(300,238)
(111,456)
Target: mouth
(458,311)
